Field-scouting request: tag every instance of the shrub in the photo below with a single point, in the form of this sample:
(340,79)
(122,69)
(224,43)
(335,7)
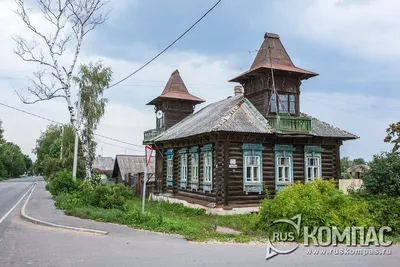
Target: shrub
(70,201)
(384,209)
(383,177)
(103,196)
(62,182)
(320,203)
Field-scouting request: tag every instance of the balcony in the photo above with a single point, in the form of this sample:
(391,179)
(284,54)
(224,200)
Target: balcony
(149,135)
(291,124)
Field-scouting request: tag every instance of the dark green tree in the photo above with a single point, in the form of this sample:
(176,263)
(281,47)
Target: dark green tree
(393,136)
(359,161)
(2,140)
(12,159)
(49,158)
(383,177)
(345,163)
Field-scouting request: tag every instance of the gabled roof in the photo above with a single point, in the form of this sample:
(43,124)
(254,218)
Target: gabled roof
(273,55)
(234,114)
(132,164)
(320,128)
(237,114)
(176,89)
(103,164)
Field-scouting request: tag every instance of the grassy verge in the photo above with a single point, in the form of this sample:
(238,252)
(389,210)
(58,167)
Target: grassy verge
(192,224)
(3,179)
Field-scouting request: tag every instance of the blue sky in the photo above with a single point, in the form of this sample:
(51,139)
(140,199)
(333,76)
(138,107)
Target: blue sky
(352,44)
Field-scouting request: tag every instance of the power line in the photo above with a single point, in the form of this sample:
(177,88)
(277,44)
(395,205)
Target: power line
(165,49)
(106,143)
(59,123)
(354,103)
(116,140)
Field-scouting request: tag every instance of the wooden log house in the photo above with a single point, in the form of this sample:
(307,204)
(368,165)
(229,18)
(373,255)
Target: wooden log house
(230,152)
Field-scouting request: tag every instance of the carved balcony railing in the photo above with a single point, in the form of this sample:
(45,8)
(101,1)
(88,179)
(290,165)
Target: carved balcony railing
(149,135)
(291,124)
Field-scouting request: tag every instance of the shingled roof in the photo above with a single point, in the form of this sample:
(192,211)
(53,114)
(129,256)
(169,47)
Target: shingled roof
(234,114)
(103,164)
(273,55)
(176,89)
(320,128)
(132,164)
(237,114)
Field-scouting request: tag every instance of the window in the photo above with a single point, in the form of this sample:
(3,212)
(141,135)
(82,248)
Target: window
(312,162)
(207,167)
(184,168)
(283,104)
(283,165)
(284,173)
(272,103)
(292,104)
(160,122)
(170,167)
(252,168)
(195,167)
(313,168)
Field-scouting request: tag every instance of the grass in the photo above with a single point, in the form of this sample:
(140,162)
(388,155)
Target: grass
(192,224)
(3,179)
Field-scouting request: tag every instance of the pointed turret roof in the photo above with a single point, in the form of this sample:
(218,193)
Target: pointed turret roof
(176,89)
(273,55)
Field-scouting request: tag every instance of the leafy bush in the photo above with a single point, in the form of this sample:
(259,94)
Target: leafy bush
(320,203)
(383,177)
(384,209)
(66,201)
(103,196)
(62,182)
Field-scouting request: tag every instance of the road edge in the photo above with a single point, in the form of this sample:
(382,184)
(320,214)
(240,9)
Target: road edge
(30,219)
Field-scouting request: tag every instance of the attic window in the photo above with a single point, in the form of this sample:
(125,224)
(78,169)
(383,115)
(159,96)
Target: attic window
(285,103)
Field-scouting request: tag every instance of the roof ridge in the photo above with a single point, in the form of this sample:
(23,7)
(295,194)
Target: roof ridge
(257,114)
(232,111)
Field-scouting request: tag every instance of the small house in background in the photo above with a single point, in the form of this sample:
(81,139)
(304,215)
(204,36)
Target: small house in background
(104,166)
(230,153)
(357,171)
(129,169)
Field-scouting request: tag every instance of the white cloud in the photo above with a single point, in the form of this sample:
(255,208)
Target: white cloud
(366,29)
(127,117)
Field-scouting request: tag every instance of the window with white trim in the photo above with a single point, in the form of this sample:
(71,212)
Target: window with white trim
(312,163)
(284,169)
(184,167)
(283,165)
(170,171)
(195,168)
(252,168)
(208,167)
(313,168)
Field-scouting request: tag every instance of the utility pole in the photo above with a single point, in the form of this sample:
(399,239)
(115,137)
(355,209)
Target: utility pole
(78,111)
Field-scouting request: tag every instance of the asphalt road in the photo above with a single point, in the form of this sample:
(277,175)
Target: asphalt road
(26,244)
(11,192)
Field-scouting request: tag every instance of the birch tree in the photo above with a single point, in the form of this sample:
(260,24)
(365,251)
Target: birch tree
(93,79)
(70,22)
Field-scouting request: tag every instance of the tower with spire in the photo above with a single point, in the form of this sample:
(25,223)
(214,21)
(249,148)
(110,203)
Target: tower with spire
(273,82)
(173,105)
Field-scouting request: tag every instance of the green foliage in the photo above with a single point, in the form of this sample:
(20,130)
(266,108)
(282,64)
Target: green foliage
(62,183)
(393,135)
(12,161)
(320,203)
(383,177)
(93,79)
(48,151)
(384,209)
(2,140)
